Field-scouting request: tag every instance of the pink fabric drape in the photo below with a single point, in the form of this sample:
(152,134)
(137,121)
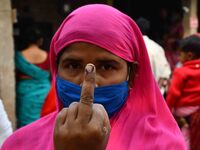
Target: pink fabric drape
(144,122)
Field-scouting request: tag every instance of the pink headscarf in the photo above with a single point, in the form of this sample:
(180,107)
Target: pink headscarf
(144,122)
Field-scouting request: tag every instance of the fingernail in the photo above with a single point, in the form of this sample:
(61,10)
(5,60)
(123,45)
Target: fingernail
(89,68)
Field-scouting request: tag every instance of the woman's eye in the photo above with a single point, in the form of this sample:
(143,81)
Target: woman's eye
(107,67)
(73,66)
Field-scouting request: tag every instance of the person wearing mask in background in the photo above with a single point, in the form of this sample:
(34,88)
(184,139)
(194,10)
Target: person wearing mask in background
(159,64)
(183,97)
(32,76)
(5,124)
(107,97)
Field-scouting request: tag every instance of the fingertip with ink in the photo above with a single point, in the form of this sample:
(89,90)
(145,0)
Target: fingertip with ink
(89,68)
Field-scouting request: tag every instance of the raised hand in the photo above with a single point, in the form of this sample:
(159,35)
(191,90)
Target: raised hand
(83,125)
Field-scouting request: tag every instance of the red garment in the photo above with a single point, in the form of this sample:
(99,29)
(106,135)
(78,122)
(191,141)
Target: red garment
(194,132)
(44,65)
(185,85)
(50,102)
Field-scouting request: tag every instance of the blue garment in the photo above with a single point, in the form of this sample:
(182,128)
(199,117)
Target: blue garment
(111,97)
(31,92)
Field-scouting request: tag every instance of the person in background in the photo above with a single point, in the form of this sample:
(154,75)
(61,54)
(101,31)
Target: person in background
(183,97)
(5,124)
(158,61)
(107,97)
(174,32)
(32,76)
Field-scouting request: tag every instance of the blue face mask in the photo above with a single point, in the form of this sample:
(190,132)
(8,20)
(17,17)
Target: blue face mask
(111,97)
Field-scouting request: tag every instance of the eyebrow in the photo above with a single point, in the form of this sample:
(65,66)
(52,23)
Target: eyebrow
(72,60)
(100,60)
(110,61)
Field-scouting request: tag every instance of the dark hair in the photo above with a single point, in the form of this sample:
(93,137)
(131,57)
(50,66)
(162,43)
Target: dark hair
(191,44)
(144,25)
(30,35)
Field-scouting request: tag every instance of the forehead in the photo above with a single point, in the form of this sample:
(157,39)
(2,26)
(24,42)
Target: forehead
(87,51)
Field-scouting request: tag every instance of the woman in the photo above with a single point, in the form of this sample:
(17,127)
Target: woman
(139,117)
(33,77)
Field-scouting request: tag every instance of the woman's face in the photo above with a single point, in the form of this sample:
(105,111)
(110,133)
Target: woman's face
(110,69)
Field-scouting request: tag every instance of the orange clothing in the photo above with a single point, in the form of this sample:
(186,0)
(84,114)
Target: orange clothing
(50,102)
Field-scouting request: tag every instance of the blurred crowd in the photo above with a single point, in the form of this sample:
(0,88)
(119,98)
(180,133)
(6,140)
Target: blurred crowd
(176,67)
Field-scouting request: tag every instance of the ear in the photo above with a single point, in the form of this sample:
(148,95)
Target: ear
(133,67)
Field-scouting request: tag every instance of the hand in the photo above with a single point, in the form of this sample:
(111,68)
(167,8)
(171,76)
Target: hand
(163,82)
(83,125)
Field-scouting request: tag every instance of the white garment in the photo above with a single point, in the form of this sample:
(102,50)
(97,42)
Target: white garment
(159,63)
(5,124)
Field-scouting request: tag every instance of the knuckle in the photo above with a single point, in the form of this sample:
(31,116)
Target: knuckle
(87,99)
(73,104)
(60,114)
(99,106)
(100,109)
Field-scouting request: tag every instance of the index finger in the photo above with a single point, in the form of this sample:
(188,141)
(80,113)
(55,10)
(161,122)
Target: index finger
(87,93)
